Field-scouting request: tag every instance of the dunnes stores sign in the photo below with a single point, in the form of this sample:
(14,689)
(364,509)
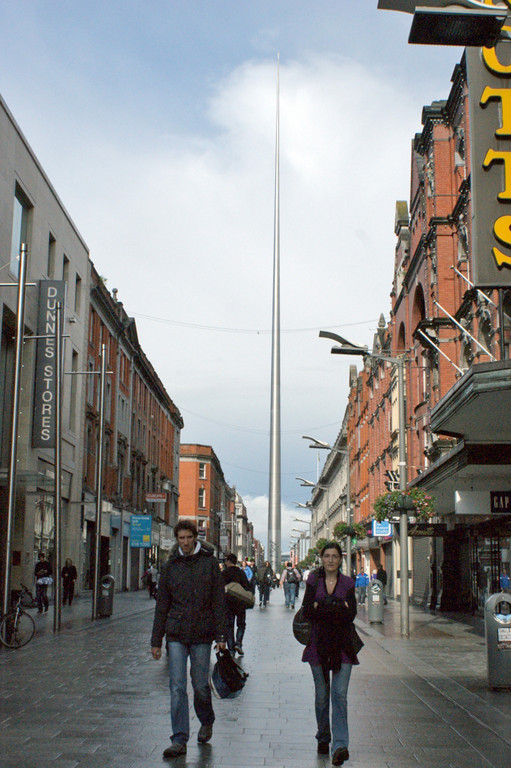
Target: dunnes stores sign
(489,88)
(43,432)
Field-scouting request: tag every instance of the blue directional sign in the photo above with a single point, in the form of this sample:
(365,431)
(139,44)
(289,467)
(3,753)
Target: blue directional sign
(381,529)
(140,531)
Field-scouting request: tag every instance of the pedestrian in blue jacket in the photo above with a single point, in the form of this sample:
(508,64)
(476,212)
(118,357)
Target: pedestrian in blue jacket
(361,584)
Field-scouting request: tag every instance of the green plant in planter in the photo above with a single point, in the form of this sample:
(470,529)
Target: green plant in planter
(343,529)
(422,505)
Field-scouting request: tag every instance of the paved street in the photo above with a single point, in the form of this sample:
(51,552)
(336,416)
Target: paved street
(93,697)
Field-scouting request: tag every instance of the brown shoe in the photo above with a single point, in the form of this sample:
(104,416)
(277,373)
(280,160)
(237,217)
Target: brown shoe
(205,734)
(340,756)
(174,750)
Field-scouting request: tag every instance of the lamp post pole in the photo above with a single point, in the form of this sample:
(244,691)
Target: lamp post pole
(347,348)
(403,527)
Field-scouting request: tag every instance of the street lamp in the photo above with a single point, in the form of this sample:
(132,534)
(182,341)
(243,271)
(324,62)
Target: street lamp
(321,444)
(326,488)
(347,348)
(451,22)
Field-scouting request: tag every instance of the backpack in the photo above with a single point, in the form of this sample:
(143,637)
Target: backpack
(292,578)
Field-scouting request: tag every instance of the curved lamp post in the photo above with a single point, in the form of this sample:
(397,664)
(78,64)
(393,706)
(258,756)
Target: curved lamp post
(326,488)
(347,348)
(322,445)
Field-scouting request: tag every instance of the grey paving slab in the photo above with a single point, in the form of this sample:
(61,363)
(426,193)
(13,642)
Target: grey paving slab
(93,697)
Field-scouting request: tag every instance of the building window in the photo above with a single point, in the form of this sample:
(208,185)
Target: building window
(202,498)
(52,244)
(78,294)
(90,382)
(20,221)
(65,270)
(202,470)
(73,386)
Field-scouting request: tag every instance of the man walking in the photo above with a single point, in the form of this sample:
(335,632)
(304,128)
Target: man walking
(236,611)
(191,612)
(361,584)
(289,579)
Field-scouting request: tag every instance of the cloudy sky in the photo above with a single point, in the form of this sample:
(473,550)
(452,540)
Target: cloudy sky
(155,122)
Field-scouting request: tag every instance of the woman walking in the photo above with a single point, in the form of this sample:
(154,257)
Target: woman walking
(329,602)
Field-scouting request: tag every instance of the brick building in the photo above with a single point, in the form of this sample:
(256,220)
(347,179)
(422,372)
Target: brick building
(217,510)
(455,336)
(141,445)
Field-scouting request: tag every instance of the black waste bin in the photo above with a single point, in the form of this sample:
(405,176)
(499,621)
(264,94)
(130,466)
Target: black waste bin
(375,602)
(106,596)
(497,625)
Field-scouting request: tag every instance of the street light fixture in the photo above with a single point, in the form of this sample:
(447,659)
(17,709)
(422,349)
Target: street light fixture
(321,444)
(326,488)
(347,348)
(451,22)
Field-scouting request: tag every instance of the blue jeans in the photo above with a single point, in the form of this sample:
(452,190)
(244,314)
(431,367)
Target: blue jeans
(289,593)
(199,672)
(337,689)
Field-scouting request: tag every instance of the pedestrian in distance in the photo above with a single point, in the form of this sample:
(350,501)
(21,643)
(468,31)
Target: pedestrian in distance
(43,574)
(249,573)
(191,613)
(236,610)
(361,584)
(264,582)
(69,576)
(330,603)
(153,580)
(289,579)
(297,585)
(381,575)
(504,580)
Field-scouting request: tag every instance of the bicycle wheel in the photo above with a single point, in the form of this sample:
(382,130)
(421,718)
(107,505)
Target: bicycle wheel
(17,629)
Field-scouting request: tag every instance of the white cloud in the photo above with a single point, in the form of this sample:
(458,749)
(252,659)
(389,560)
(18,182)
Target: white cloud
(183,227)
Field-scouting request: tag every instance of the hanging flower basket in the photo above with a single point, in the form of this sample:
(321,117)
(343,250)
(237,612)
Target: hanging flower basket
(343,529)
(417,503)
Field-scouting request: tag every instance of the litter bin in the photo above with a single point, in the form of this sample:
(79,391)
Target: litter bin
(497,625)
(375,602)
(106,596)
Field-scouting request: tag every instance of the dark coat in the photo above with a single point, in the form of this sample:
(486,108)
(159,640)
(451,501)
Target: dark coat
(332,619)
(42,569)
(191,605)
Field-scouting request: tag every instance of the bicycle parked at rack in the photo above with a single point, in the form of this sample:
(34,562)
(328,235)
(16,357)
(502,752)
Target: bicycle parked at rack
(17,627)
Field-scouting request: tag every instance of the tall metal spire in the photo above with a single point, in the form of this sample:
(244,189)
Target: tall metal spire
(274,532)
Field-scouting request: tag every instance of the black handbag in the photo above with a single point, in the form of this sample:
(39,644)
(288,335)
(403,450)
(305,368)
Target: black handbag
(356,641)
(302,627)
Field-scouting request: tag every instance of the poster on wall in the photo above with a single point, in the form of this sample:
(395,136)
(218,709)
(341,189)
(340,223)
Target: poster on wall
(140,531)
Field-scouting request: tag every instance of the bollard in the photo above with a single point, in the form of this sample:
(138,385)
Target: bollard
(375,602)
(106,598)
(497,627)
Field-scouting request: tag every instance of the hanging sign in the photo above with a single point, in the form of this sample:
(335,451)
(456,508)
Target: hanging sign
(489,93)
(43,424)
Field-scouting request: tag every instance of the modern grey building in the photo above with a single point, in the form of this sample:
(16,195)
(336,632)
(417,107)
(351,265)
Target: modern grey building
(32,213)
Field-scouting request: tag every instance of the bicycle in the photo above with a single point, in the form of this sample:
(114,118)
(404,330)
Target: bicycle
(17,627)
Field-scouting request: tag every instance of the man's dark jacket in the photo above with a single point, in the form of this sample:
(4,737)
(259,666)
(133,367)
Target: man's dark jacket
(191,606)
